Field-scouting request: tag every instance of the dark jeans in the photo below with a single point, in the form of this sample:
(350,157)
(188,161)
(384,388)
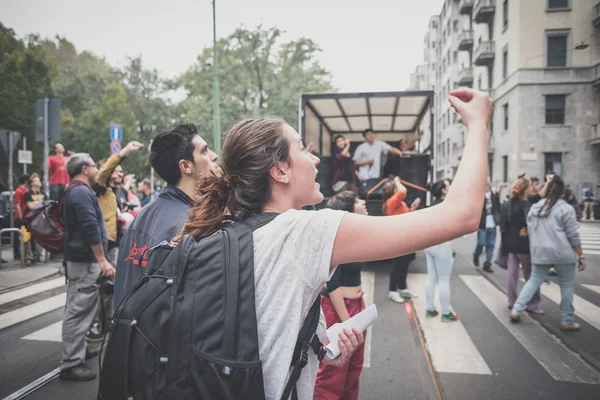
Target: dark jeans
(486,238)
(399,272)
(56,191)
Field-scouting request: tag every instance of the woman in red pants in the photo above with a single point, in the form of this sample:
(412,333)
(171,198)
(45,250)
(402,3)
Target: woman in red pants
(344,300)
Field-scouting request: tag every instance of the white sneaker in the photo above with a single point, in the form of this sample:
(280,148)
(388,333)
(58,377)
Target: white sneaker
(395,297)
(407,293)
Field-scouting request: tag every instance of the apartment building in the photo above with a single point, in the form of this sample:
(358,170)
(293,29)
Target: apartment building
(540,62)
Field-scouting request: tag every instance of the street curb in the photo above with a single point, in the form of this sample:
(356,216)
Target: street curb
(550,329)
(23,285)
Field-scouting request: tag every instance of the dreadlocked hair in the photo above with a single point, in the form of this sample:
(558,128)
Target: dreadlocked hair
(240,187)
(556,190)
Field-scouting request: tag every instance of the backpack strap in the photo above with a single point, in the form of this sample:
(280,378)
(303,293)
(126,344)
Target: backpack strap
(307,340)
(259,220)
(61,200)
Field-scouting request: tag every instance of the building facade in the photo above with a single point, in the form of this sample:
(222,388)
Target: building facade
(540,62)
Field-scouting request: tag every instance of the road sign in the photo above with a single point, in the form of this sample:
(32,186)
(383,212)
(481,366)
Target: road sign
(25,157)
(115,146)
(116,132)
(4,134)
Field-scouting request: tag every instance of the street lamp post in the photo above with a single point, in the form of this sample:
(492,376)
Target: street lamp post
(216,95)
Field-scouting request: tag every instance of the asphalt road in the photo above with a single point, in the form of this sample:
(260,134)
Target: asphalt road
(481,356)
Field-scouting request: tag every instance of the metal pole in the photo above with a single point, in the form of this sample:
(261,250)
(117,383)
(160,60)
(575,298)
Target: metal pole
(10,182)
(25,149)
(216,95)
(46,150)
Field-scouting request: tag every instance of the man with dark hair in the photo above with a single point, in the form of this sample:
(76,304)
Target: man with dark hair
(368,156)
(144,189)
(57,168)
(86,244)
(180,157)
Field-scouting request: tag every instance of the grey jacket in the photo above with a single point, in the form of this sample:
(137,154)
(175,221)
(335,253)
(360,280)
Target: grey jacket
(552,238)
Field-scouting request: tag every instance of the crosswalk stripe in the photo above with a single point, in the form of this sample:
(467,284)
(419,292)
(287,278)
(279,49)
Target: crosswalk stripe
(368,285)
(32,310)
(595,288)
(51,333)
(591,252)
(583,308)
(31,290)
(449,344)
(561,363)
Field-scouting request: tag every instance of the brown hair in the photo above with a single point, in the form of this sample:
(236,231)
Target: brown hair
(388,191)
(519,188)
(556,190)
(343,201)
(241,186)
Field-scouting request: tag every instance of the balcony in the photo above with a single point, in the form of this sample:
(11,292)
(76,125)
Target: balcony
(465,40)
(484,10)
(596,15)
(465,77)
(465,7)
(485,53)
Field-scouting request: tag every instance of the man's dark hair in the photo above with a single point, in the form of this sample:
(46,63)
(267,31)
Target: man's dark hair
(534,179)
(367,131)
(170,147)
(343,201)
(436,188)
(337,137)
(23,179)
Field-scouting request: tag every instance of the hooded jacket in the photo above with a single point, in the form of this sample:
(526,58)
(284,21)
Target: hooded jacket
(158,221)
(552,237)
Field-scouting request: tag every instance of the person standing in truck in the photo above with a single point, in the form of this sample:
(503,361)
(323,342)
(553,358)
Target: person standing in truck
(368,156)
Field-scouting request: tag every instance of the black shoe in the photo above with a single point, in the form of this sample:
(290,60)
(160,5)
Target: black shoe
(94,337)
(488,268)
(79,372)
(91,352)
(476,261)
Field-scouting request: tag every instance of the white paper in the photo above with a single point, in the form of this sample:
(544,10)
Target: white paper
(360,321)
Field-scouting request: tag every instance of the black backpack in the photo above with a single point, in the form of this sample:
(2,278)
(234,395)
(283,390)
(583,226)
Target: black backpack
(188,330)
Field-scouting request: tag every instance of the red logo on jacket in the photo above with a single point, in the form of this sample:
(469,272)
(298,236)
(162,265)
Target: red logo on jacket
(138,255)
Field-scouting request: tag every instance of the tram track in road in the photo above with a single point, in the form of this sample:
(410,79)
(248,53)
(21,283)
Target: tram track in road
(33,386)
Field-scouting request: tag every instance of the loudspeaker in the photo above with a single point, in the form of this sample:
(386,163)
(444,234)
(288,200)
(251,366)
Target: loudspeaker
(412,167)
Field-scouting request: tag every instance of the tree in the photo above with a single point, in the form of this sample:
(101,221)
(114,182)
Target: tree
(25,76)
(258,76)
(92,131)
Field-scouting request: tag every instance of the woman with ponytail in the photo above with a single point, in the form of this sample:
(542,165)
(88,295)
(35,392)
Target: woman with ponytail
(554,241)
(266,168)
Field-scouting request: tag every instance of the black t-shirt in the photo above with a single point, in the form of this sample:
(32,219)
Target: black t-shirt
(33,196)
(345,275)
(534,198)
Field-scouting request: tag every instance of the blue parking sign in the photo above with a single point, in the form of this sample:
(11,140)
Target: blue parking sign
(116,132)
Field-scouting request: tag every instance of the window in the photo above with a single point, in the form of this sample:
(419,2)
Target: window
(491,166)
(455,27)
(505,64)
(558,4)
(479,83)
(555,109)
(455,57)
(556,48)
(553,162)
(504,168)
(505,108)
(505,12)
(433,45)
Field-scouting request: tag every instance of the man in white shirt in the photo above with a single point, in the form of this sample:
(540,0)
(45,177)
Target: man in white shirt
(368,156)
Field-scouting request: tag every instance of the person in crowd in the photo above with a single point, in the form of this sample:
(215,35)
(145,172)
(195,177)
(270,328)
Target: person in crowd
(410,145)
(181,157)
(486,237)
(144,189)
(343,167)
(266,168)
(33,199)
(571,199)
(57,169)
(110,197)
(439,265)
(515,241)
(394,193)
(342,301)
(19,205)
(588,204)
(85,250)
(554,241)
(368,156)
(131,198)
(539,191)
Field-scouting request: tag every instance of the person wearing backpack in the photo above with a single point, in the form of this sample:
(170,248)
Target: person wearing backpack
(180,156)
(86,244)
(266,169)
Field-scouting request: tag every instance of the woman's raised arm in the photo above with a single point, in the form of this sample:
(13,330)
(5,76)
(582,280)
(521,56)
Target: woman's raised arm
(364,238)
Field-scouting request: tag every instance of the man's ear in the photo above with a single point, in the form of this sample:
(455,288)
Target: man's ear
(278,172)
(186,167)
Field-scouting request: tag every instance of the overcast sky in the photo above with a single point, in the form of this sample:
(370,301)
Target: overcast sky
(368,45)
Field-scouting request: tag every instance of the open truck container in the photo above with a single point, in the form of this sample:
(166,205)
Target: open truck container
(390,115)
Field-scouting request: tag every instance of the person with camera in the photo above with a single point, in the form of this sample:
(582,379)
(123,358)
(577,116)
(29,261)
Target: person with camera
(181,157)
(86,244)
